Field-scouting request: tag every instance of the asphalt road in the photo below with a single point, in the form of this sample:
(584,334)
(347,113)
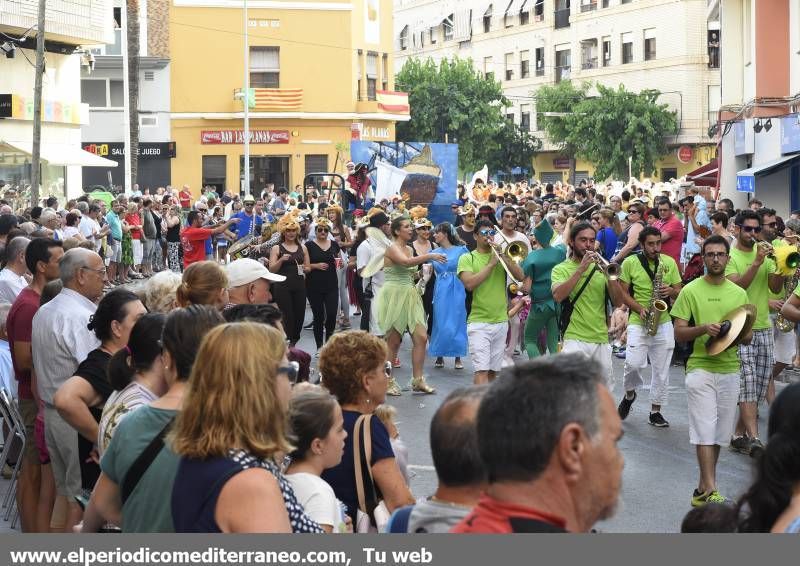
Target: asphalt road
(660,465)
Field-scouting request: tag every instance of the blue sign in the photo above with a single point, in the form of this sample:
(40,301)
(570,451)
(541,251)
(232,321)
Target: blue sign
(790,134)
(746,183)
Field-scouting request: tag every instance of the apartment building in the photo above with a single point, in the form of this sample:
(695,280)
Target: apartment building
(319,74)
(72,27)
(642,44)
(102,88)
(760,116)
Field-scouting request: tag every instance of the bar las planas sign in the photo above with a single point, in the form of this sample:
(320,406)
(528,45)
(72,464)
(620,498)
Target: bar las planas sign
(237,136)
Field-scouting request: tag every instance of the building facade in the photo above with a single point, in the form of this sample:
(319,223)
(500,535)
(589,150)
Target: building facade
(71,28)
(317,71)
(760,120)
(641,44)
(102,88)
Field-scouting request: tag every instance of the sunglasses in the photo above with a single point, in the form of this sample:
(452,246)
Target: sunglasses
(291,371)
(750,229)
(321,229)
(487,232)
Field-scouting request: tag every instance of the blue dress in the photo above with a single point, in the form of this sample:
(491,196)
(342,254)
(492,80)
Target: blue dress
(449,336)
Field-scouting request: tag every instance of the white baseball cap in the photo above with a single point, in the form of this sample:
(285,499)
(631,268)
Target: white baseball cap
(244,271)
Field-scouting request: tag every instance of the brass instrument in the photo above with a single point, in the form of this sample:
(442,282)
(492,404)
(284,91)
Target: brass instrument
(657,306)
(610,270)
(516,252)
(787,258)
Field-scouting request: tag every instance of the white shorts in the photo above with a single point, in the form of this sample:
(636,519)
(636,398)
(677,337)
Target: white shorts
(784,344)
(601,353)
(138,252)
(712,406)
(487,344)
(115,255)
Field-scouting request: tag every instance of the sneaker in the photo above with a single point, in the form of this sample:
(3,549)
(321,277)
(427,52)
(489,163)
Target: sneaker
(439,363)
(656,419)
(620,353)
(741,445)
(700,499)
(394,388)
(396,363)
(756,447)
(625,405)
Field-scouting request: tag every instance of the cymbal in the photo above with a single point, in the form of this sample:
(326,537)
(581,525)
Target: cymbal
(735,325)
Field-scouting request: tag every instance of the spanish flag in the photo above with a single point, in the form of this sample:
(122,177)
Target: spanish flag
(392,101)
(275,98)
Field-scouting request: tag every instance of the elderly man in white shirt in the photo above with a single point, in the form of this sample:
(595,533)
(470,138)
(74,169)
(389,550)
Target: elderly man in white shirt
(12,277)
(60,340)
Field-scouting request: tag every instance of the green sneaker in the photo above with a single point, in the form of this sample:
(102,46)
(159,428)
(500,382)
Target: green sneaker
(700,499)
(394,388)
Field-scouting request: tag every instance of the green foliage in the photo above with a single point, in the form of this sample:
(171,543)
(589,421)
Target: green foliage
(452,98)
(516,148)
(609,128)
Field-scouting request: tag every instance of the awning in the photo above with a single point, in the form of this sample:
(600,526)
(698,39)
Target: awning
(746,179)
(60,154)
(705,176)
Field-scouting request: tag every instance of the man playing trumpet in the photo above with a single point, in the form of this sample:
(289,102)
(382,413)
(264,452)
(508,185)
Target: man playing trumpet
(647,278)
(751,269)
(583,281)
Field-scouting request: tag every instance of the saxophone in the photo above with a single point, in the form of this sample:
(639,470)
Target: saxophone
(781,323)
(657,306)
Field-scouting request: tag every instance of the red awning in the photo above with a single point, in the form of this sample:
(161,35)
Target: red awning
(705,176)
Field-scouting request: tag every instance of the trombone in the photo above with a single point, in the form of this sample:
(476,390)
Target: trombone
(514,251)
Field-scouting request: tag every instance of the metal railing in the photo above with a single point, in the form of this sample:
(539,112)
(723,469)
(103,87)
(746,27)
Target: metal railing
(562,73)
(562,18)
(588,7)
(589,63)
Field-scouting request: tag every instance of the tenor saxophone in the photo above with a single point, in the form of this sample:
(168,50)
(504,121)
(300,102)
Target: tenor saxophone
(657,307)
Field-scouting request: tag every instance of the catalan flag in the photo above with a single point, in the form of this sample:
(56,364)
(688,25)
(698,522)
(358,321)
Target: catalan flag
(392,101)
(275,98)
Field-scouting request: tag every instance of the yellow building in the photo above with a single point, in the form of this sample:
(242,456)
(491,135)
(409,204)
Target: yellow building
(316,71)
(551,166)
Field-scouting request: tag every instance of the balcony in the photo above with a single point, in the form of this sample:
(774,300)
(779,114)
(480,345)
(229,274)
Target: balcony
(562,18)
(589,63)
(562,73)
(540,71)
(591,7)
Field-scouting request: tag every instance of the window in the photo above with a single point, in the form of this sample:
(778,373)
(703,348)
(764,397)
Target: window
(605,3)
(116,94)
(538,11)
(606,51)
(449,27)
(422,39)
(404,38)
(434,32)
(93,93)
(525,117)
(508,17)
(713,49)
(589,54)
(372,75)
(510,117)
(649,44)
(562,14)
(316,163)
(265,69)
(487,20)
(509,66)
(540,61)
(524,64)
(588,5)
(627,48)
(385,73)
(359,75)
(625,1)
(563,62)
(524,13)
(488,70)
(214,171)
(148,120)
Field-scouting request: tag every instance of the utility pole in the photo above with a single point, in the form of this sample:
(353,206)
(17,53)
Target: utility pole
(246,165)
(126,106)
(37,106)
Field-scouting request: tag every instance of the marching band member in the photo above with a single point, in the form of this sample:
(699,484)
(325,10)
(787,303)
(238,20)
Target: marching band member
(646,277)
(584,283)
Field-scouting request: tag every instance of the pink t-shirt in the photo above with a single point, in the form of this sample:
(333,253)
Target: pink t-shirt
(674,228)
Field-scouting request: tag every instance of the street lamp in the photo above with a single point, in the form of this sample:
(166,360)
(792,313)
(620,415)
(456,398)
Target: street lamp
(246,165)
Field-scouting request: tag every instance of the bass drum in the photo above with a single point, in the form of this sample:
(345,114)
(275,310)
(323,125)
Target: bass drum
(241,248)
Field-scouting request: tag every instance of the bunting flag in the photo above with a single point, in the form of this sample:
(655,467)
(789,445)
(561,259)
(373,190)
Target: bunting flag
(392,101)
(275,98)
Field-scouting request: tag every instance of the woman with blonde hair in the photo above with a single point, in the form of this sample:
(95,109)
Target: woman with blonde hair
(231,435)
(342,236)
(322,285)
(353,369)
(160,291)
(204,283)
(290,259)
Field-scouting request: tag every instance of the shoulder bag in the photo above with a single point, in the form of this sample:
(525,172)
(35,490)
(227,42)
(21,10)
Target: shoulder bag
(567,305)
(372,514)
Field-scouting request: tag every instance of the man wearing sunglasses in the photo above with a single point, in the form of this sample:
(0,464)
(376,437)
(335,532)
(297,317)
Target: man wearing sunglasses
(712,382)
(487,324)
(751,269)
(246,218)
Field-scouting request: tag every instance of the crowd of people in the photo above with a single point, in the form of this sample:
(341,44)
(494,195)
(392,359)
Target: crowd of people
(182,402)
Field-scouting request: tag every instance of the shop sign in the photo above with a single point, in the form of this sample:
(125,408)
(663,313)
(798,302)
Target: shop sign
(790,133)
(21,108)
(355,131)
(5,106)
(115,150)
(685,154)
(371,132)
(237,136)
(743,138)
(561,163)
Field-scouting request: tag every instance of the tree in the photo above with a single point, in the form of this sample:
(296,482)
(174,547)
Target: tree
(133,87)
(516,147)
(560,99)
(609,128)
(452,101)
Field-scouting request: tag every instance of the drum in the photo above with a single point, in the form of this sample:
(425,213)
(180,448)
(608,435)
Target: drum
(241,248)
